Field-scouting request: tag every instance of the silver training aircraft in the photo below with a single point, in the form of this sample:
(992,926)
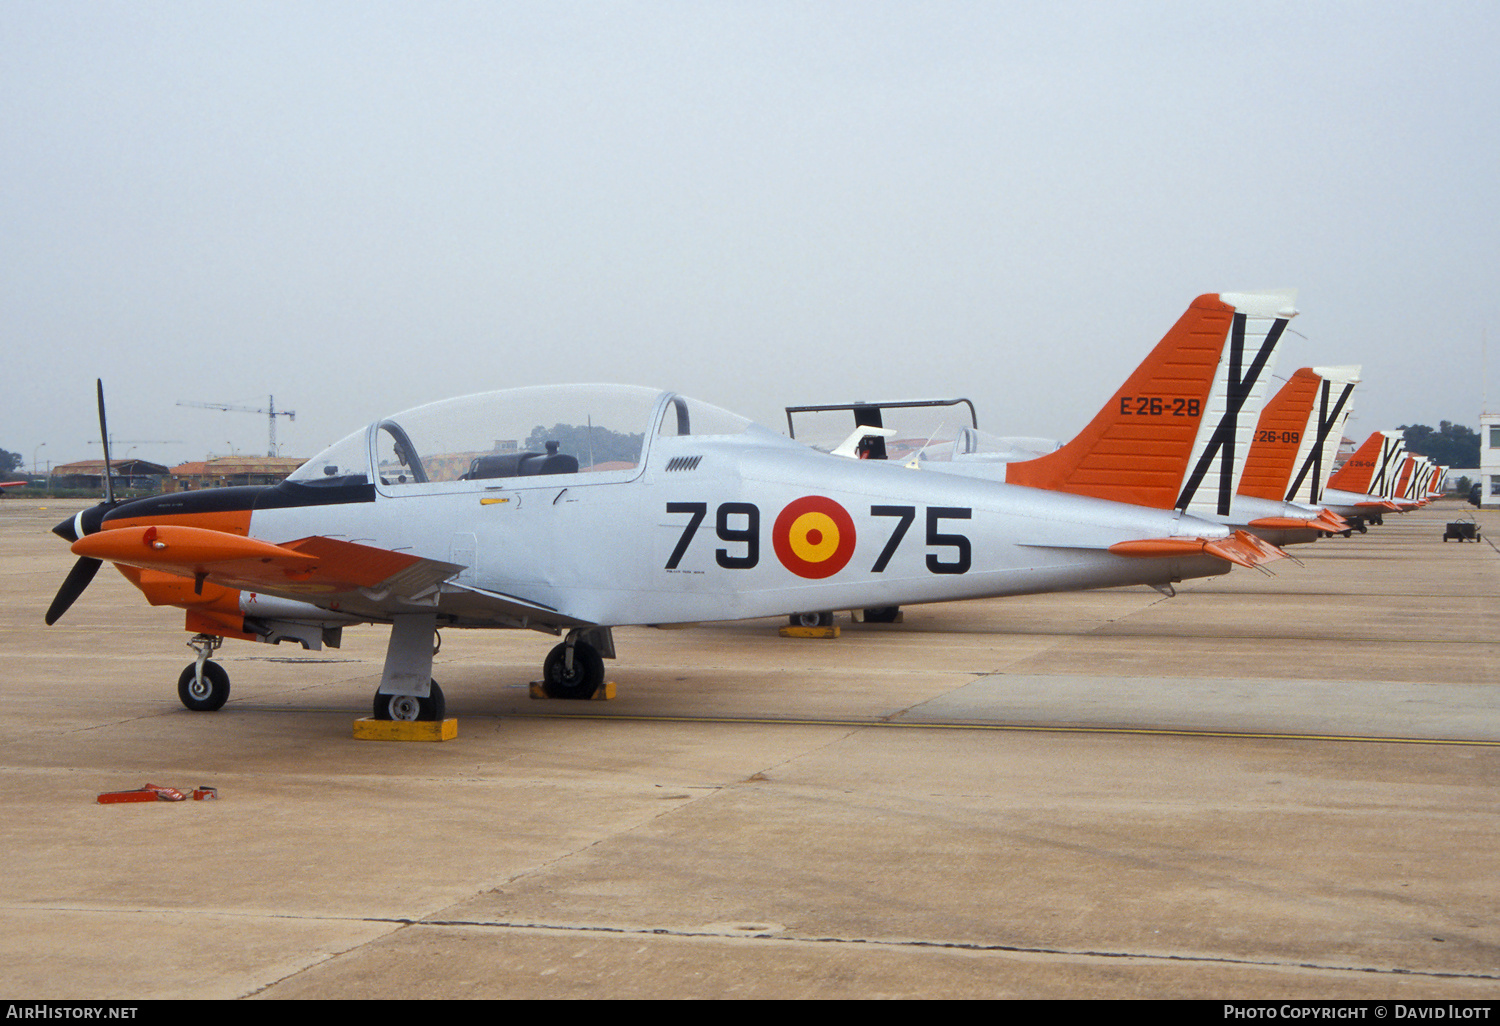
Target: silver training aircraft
(572,510)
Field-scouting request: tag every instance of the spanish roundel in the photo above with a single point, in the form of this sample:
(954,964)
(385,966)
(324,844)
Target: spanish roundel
(814,537)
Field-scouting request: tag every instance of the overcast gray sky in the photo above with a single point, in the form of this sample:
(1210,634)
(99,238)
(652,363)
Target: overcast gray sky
(360,207)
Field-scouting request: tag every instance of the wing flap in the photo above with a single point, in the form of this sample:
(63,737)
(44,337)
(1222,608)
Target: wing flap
(523,612)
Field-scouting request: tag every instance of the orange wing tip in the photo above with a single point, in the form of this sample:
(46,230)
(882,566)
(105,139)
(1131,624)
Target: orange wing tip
(178,546)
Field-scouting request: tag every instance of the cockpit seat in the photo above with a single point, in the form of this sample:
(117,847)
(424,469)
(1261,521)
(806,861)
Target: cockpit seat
(520,464)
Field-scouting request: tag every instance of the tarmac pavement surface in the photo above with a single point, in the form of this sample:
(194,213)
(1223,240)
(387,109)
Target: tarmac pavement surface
(1269,786)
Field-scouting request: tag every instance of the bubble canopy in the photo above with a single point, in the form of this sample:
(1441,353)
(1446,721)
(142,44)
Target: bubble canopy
(517,436)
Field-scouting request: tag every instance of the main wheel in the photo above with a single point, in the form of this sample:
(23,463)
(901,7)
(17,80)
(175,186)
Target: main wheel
(410,708)
(582,681)
(882,614)
(209,694)
(811,619)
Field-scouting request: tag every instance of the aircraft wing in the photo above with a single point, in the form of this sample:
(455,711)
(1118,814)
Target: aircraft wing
(316,569)
(346,576)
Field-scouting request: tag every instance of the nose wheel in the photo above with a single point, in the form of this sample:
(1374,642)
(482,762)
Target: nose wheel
(203,693)
(203,685)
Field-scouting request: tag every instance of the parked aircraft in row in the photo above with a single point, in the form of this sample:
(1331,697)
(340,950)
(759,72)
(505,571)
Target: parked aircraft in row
(643,507)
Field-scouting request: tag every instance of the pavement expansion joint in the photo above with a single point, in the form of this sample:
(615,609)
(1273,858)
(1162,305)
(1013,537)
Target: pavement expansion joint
(774,934)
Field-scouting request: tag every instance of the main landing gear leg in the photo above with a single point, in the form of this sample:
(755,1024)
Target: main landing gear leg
(203,686)
(407,690)
(575,669)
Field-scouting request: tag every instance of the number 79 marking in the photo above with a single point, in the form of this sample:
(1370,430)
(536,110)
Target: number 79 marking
(749,535)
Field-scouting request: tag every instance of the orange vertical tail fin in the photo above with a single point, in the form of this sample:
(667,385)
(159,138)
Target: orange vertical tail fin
(1373,467)
(1278,436)
(1176,433)
(1298,435)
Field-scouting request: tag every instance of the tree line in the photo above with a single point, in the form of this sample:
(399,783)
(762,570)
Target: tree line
(1451,445)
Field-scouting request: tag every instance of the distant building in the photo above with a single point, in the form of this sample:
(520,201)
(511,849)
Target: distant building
(228,471)
(1451,478)
(1489,460)
(125,474)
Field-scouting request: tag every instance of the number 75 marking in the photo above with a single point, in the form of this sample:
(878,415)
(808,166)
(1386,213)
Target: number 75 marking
(905,515)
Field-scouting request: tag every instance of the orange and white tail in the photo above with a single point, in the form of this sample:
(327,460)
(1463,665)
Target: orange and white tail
(1176,434)
(1406,477)
(1297,438)
(1418,487)
(1435,483)
(1373,468)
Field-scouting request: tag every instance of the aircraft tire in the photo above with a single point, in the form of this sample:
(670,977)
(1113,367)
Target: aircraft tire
(811,619)
(583,682)
(882,614)
(211,695)
(410,707)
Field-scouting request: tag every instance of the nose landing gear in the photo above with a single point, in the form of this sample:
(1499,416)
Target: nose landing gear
(203,685)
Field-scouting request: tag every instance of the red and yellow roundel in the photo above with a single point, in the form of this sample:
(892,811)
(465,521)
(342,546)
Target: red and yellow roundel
(814,537)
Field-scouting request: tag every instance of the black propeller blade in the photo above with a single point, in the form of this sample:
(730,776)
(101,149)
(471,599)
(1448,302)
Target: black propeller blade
(84,570)
(109,483)
(78,578)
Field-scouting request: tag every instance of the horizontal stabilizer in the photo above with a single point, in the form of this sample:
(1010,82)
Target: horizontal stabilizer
(1326,521)
(1241,548)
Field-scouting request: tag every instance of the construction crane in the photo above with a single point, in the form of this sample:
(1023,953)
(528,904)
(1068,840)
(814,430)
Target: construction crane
(137,441)
(270,411)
